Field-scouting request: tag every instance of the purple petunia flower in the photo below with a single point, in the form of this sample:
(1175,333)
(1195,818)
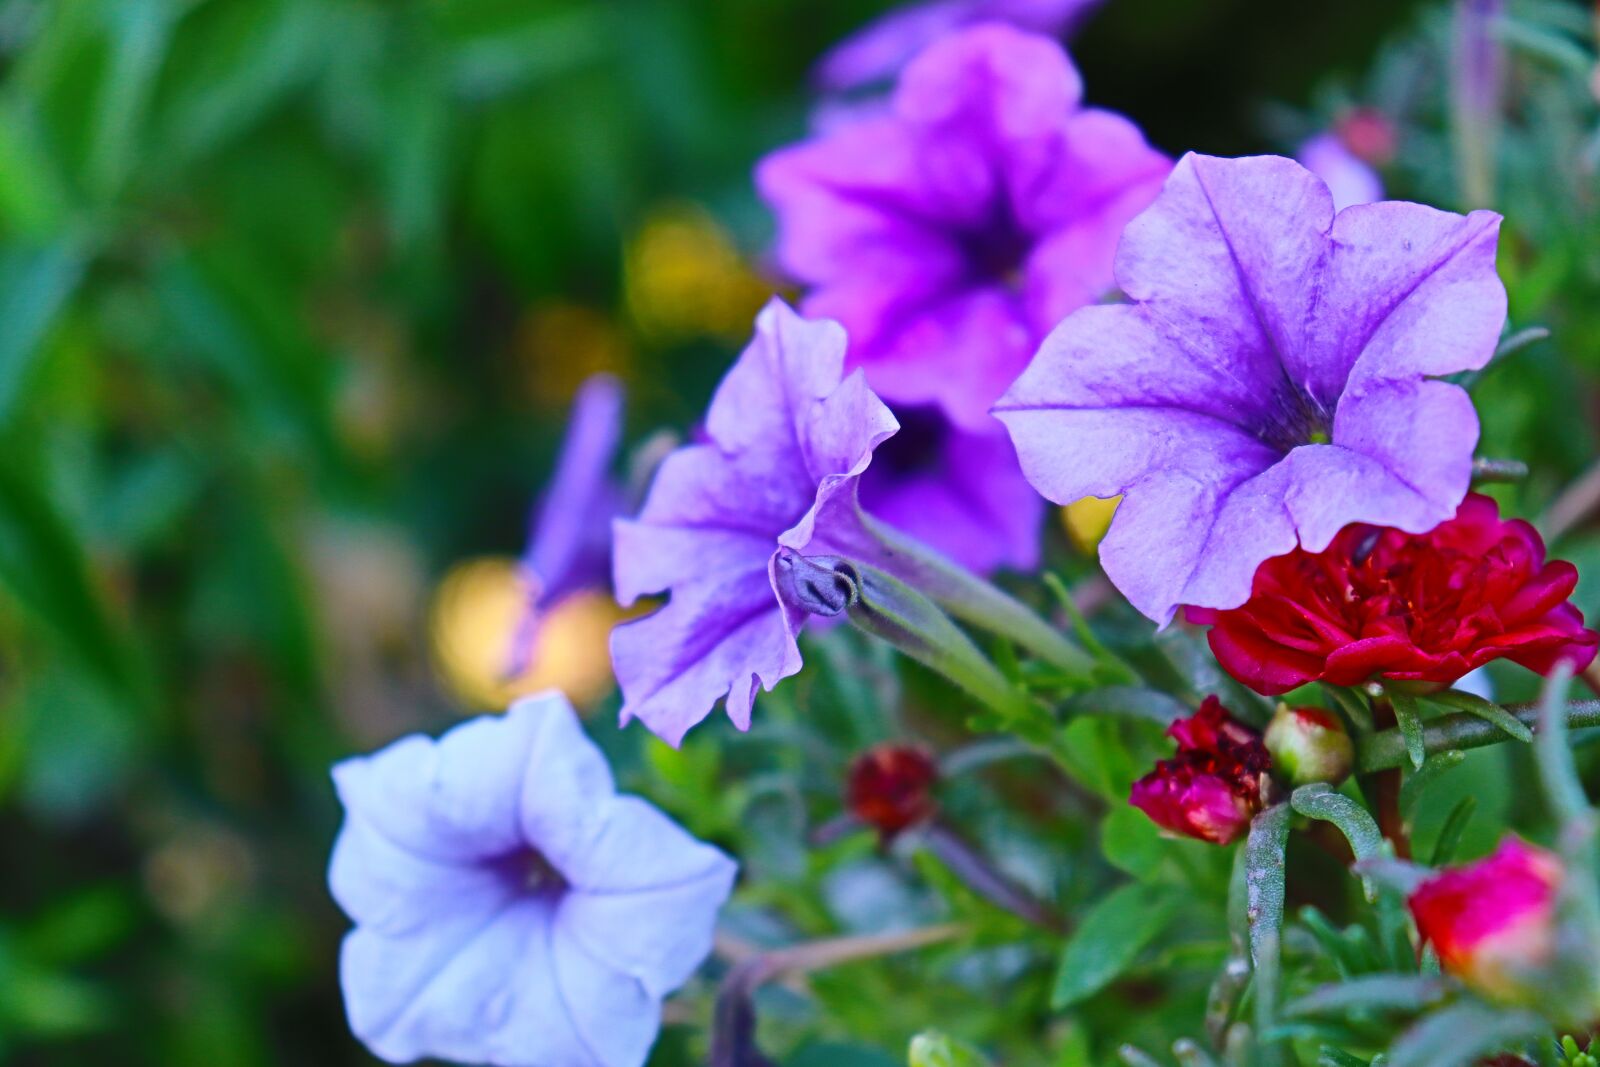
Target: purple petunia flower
(879,50)
(1271,383)
(787,437)
(569,534)
(1348,177)
(957,491)
(510,907)
(951,230)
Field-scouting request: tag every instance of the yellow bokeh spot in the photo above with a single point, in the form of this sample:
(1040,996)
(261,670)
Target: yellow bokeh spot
(683,278)
(560,345)
(474,618)
(1087,521)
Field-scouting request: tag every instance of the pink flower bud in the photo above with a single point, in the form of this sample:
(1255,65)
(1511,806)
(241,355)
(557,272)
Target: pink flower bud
(1492,922)
(1213,787)
(1309,745)
(891,787)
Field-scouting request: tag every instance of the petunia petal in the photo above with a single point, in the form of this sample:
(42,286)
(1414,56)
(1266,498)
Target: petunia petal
(1410,291)
(722,635)
(641,867)
(1227,263)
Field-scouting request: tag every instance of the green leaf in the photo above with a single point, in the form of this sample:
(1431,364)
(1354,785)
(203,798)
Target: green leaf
(1320,801)
(1109,938)
(1190,1054)
(1264,876)
(1128,701)
(1328,1056)
(1418,782)
(35,285)
(1449,839)
(1461,1034)
(45,566)
(933,1049)
(1372,992)
(1410,722)
(1563,791)
(1486,710)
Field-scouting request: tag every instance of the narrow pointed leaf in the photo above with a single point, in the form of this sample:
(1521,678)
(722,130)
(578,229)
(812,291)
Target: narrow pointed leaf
(1486,710)
(1461,1034)
(1110,938)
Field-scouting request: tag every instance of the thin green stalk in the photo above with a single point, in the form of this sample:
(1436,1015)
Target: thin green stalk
(1387,748)
(974,600)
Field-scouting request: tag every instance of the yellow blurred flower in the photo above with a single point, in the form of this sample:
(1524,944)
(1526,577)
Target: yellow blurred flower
(1087,521)
(475,616)
(560,345)
(683,278)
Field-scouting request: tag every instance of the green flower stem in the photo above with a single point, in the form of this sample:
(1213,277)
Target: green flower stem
(1387,748)
(974,600)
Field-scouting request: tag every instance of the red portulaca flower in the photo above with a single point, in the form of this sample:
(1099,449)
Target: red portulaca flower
(1492,922)
(1213,787)
(891,787)
(1380,603)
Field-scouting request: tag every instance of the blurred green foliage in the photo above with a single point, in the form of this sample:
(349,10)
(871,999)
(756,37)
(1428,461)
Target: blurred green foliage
(276,280)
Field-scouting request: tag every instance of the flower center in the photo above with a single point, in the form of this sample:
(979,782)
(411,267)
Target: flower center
(1297,419)
(531,873)
(997,249)
(916,449)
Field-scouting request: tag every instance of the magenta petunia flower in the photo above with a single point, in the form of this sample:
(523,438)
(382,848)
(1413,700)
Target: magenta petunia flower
(950,230)
(510,908)
(957,491)
(788,437)
(1272,382)
(878,51)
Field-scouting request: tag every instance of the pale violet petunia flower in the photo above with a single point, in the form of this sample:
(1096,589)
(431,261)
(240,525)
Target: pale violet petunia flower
(510,907)
(1274,378)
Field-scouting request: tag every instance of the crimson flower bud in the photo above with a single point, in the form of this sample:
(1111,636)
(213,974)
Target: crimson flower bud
(891,787)
(1309,745)
(1493,922)
(1214,786)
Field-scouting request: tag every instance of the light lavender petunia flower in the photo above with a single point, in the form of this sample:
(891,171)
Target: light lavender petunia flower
(951,230)
(569,533)
(510,907)
(959,492)
(1349,178)
(1272,381)
(787,439)
(878,51)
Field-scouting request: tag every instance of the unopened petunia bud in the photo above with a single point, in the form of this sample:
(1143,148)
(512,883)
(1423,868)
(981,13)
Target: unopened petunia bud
(1213,787)
(1309,745)
(891,787)
(1493,922)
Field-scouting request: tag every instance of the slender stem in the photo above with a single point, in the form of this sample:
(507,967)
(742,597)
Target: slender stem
(1574,504)
(1498,470)
(1387,749)
(981,876)
(733,1025)
(974,600)
(1382,787)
